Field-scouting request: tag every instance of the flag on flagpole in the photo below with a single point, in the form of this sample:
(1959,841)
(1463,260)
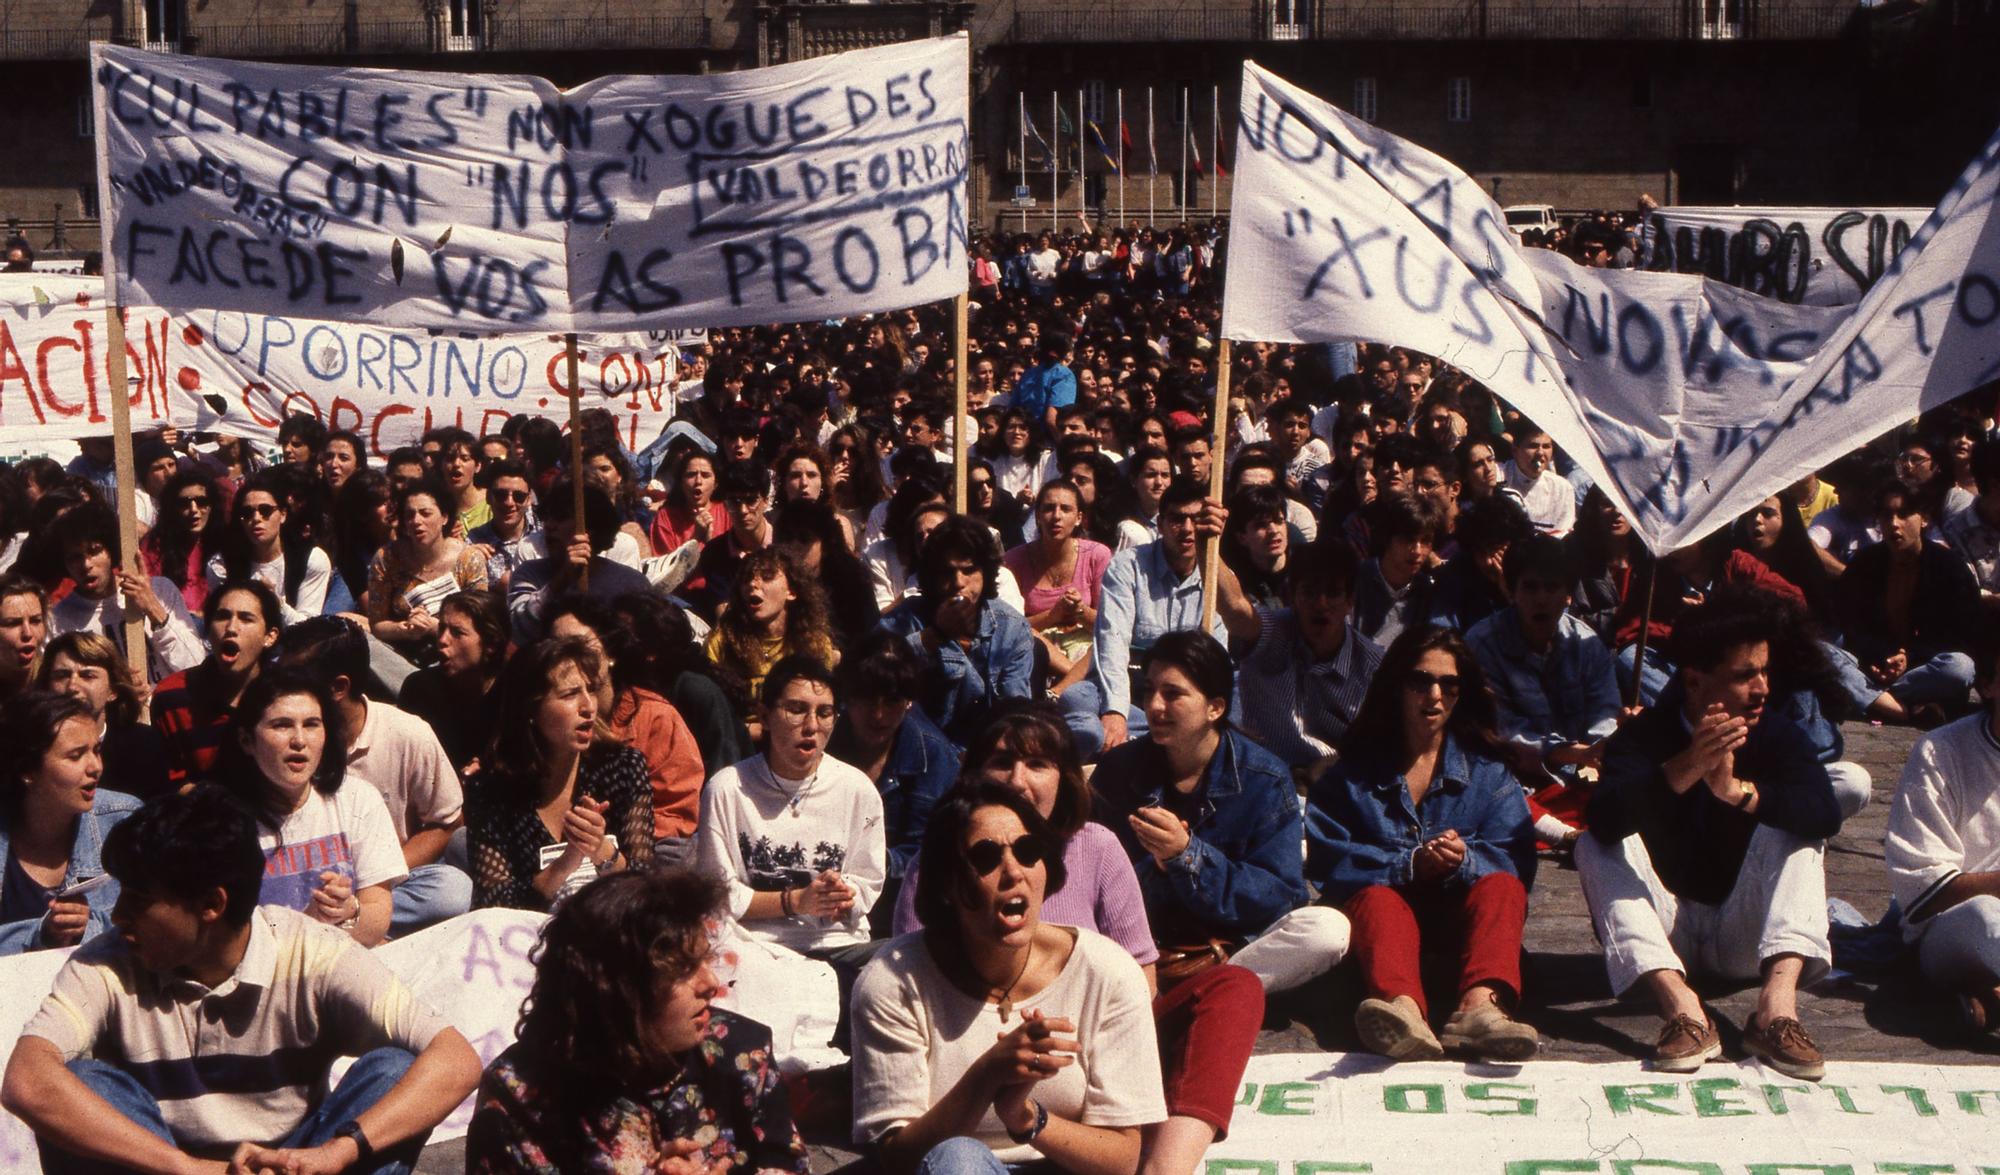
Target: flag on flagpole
(1035,137)
(1063,123)
(1125,135)
(1103,148)
(1152,149)
(1194,153)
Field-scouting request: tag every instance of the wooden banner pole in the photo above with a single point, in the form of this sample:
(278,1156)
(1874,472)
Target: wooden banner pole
(1645,626)
(576,471)
(126,470)
(961,425)
(1217,454)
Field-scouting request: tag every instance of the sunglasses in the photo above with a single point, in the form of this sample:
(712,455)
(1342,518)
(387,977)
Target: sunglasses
(261,510)
(1027,850)
(201,501)
(509,495)
(1419,682)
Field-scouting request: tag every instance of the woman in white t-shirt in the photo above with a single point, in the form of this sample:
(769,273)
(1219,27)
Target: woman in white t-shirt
(255,546)
(330,849)
(1074,1073)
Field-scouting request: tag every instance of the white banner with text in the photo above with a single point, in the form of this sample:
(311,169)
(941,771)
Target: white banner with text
(811,190)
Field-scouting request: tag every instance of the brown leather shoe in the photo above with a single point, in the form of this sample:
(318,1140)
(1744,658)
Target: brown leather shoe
(1396,1029)
(1783,1045)
(1685,1043)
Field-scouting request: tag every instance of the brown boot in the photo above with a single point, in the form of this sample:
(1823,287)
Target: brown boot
(1783,1045)
(1685,1043)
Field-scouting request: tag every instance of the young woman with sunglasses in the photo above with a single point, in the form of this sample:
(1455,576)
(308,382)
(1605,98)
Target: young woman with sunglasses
(255,547)
(1210,822)
(1421,831)
(1208,1022)
(991,1037)
(190,533)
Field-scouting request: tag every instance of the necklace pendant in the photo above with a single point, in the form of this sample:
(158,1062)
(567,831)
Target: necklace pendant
(1006,1009)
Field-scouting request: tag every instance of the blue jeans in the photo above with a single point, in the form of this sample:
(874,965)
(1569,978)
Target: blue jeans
(1653,677)
(371,1077)
(969,1156)
(428,896)
(1081,705)
(1944,679)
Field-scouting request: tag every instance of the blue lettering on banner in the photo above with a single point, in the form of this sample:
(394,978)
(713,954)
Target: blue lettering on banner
(758,189)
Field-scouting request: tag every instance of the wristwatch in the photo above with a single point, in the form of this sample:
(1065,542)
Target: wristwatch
(1033,1132)
(352,1130)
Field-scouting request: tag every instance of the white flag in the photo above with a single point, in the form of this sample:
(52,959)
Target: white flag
(1687,400)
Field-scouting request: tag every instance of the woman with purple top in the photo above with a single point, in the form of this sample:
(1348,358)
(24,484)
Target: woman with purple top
(1212,1016)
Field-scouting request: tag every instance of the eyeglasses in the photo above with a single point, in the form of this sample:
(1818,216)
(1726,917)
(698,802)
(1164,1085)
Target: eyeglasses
(800,711)
(509,495)
(1027,851)
(1419,682)
(740,503)
(261,510)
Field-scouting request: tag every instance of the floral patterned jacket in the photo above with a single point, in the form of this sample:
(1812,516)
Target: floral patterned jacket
(728,1097)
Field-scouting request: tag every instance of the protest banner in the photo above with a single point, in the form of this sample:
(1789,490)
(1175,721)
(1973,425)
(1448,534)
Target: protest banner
(1685,399)
(242,374)
(811,190)
(1322,1114)
(1809,256)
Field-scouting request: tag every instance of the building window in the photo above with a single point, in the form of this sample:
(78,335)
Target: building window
(1094,107)
(461,25)
(1290,19)
(1721,20)
(88,200)
(1364,99)
(1458,101)
(163,25)
(86,118)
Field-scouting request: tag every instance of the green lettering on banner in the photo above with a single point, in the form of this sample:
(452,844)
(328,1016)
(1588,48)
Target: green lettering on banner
(1815,1168)
(1286,1098)
(1548,1166)
(1249,1095)
(1914,1168)
(1623,1099)
(1318,1167)
(1845,1098)
(1253,1166)
(1708,1098)
(1968,1099)
(1632,1166)
(1919,1100)
(1501,1091)
(1396,1099)
(1774,1096)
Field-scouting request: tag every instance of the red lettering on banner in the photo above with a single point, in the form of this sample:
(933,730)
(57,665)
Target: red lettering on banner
(487,427)
(250,406)
(12,368)
(333,423)
(42,374)
(381,418)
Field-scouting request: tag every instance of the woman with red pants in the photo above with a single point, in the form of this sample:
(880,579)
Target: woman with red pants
(1207,1023)
(1421,833)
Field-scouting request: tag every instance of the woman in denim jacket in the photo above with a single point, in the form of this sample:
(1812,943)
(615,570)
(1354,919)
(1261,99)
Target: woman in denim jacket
(1421,830)
(1211,821)
(53,821)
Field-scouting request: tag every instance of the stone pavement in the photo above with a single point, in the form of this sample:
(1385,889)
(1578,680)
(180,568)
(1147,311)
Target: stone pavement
(1854,1018)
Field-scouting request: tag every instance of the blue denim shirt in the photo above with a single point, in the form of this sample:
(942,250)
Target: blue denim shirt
(86,860)
(1242,868)
(1547,700)
(1361,829)
(921,768)
(966,683)
(1139,600)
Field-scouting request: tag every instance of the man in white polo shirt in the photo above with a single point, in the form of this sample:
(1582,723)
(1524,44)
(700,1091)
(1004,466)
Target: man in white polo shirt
(203,1030)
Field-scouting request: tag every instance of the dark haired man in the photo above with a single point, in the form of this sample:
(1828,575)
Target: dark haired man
(1394,589)
(1706,846)
(572,550)
(203,1029)
(1147,592)
(978,650)
(508,535)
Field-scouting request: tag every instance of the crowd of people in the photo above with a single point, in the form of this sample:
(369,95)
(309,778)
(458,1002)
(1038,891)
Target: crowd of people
(1056,839)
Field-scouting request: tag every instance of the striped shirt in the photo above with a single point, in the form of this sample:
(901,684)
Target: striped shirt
(1299,707)
(246,1059)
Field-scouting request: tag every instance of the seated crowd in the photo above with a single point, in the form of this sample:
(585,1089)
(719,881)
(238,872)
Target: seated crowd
(1058,824)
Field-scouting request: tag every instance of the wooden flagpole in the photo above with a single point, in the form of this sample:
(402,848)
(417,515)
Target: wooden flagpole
(961,421)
